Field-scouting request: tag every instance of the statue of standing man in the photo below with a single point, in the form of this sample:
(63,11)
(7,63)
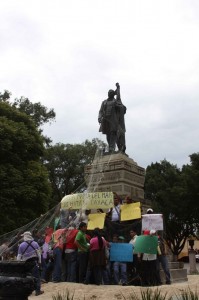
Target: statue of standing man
(111,119)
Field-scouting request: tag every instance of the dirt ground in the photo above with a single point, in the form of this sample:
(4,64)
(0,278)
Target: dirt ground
(109,292)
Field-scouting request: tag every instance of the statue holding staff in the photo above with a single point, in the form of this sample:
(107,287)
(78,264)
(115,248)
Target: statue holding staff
(111,119)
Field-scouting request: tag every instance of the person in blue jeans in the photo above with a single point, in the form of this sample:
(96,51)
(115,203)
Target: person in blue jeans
(57,254)
(71,254)
(120,268)
(163,261)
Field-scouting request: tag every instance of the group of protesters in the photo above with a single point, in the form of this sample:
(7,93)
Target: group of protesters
(73,254)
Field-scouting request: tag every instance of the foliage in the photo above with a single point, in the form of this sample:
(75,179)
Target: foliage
(149,294)
(39,113)
(24,185)
(65,296)
(5,96)
(188,294)
(191,179)
(36,111)
(65,164)
(172,192)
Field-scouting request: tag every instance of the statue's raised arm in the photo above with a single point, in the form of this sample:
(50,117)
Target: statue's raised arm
(117,92)
(121,110)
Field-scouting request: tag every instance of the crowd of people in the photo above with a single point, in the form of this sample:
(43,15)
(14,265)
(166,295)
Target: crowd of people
(74,254)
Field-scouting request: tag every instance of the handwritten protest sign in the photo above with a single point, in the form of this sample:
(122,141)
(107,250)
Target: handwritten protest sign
(146,244)
(130,211)
(102,200)
(122,252)
(152,221)
(96,221)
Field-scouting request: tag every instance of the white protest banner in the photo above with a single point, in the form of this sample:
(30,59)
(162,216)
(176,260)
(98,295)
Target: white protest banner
(152,221)
(103,200)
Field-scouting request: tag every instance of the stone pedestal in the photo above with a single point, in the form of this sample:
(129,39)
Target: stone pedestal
(117,173)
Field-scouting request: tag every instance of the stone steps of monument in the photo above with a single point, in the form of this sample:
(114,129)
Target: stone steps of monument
(175,265)
(177,271)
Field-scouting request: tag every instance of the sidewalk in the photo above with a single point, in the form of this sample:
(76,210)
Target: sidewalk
(110,292)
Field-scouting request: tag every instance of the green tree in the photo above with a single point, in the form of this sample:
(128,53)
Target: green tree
(165,186)
(24,185)
(36,111)
(39,113)
(191,179)
(5,96)
(65,164)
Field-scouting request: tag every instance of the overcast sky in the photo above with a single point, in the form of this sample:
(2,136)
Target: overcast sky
(68,54)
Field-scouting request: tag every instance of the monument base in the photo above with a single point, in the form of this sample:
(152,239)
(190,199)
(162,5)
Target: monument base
(177,271)
(117,173)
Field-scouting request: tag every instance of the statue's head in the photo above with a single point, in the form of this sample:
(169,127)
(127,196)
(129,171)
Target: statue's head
(111,93)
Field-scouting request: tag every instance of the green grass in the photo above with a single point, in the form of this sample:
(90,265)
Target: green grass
(149,294)
(188,295)
(64,296)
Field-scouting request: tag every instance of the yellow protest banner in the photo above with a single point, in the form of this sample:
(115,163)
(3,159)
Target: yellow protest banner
(103,200)
(130,211)
(96,221)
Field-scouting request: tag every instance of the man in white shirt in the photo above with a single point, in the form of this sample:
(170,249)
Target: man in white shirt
(115,211)
(150,276)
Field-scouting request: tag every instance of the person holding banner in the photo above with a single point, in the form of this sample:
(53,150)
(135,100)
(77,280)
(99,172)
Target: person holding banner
(149,271)
(120,268)
(114,212)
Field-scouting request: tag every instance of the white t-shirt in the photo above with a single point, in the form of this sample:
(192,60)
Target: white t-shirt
(115,215)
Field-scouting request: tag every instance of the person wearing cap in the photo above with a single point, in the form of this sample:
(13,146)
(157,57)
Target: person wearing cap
(120,268)
(149,211)
(149,270)
(29,250)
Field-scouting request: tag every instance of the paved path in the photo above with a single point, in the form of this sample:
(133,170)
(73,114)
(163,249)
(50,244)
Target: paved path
(112,292)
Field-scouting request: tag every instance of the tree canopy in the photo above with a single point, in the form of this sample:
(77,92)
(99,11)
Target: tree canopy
(38,112)
(24,185)
(174,192)
(65,164)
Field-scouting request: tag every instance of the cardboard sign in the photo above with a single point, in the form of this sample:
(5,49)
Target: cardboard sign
(130,211)
(152,221)
(122,252)
(146,244)
(102,200)
(96,221)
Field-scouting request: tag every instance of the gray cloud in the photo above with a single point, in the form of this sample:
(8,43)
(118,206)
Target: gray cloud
(68,56)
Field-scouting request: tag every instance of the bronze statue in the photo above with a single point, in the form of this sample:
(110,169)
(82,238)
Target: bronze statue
(111,119)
